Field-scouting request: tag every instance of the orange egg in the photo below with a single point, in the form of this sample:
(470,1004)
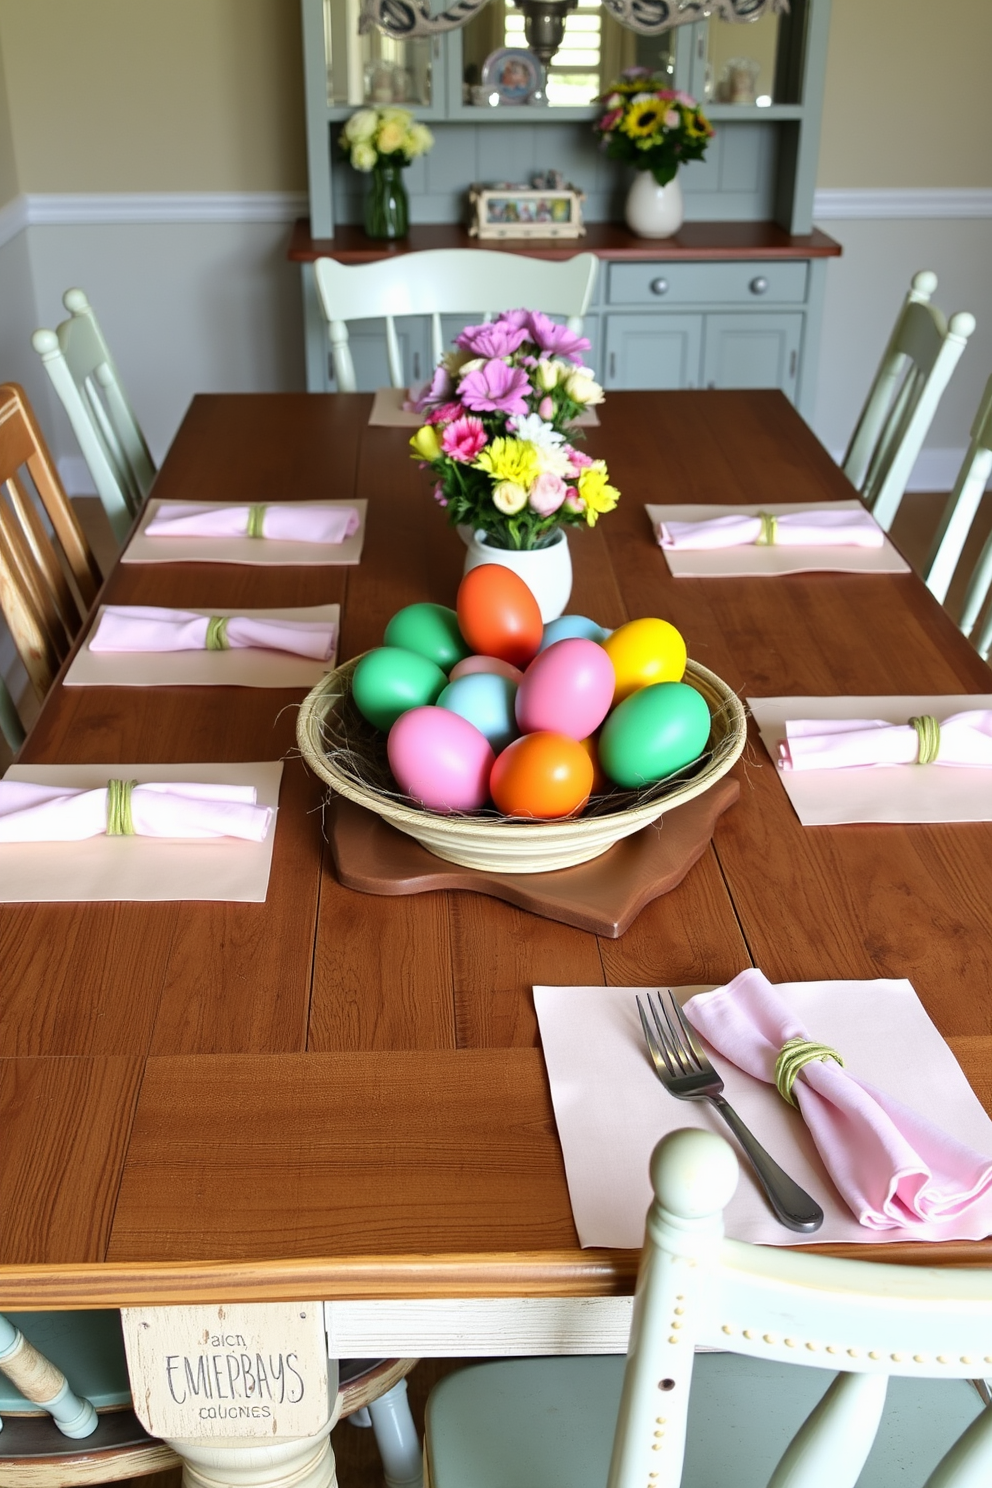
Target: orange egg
(498,615)
(543,775)
(600,784)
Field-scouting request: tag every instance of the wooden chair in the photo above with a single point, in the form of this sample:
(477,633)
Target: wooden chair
(784,1322)
(47,580)
(65,1404)
(78,360)
(444,281)
(959,514)
(922,353)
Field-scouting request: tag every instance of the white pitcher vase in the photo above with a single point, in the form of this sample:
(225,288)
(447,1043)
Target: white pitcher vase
(654,211)
(547,572)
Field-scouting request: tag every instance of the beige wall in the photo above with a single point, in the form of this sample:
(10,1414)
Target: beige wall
(8,166)
(155,95)
(907,94)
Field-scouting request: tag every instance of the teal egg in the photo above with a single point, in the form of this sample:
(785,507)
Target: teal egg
(654,732)
(486,700)
(431,630)
(572,627)
(390,681)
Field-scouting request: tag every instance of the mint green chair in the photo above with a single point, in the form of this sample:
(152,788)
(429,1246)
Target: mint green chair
(769,1408)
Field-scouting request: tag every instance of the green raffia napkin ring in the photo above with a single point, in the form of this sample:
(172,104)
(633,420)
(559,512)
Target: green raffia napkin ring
(793,1056)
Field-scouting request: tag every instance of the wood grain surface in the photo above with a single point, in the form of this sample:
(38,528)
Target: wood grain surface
(341,1094)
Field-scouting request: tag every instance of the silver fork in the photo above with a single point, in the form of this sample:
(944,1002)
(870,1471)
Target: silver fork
(684,1070)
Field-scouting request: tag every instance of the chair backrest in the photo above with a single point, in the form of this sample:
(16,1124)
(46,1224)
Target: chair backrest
(445,281)
(78,360)
(956,523)
(922,353)
(869,1321)
(47,580)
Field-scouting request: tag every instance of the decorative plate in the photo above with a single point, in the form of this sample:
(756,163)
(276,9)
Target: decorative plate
(514,73)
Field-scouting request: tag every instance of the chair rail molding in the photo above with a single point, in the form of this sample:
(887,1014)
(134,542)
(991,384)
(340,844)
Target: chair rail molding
(13,219)
(843,203)
(63,209)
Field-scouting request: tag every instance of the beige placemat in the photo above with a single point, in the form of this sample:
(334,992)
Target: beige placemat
(141,868)
(884,793)
(239,667)
(611,1109)
(142,549)
(388,412)
(753,561)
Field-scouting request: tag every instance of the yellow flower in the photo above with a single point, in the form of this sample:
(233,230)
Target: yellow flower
(419,141)
(697,126)
(514,460)
(391,137)
(509,498)
(644,118)
(424,443)
(596,491)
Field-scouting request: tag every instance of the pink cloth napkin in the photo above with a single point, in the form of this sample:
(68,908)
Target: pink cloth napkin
(892,1167)
(812,529)
(149,628)
(845,743)
(282,523)
(51,813)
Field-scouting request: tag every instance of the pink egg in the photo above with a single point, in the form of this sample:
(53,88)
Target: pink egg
(472,664)
(568,689)
(441,759)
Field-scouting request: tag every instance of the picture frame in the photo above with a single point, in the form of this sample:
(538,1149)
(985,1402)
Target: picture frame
(513,74)
(504,210)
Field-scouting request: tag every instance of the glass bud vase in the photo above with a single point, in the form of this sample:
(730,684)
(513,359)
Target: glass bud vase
(386,210)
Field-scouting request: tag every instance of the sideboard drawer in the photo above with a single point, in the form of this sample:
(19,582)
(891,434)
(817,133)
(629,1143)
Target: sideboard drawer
(725,283)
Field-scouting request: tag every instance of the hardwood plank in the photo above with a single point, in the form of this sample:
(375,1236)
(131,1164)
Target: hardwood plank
(65,1125)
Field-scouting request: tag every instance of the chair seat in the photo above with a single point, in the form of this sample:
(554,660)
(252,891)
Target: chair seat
(549,1423)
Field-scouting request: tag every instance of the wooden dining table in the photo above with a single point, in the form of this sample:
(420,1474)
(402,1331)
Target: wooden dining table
(341,1095)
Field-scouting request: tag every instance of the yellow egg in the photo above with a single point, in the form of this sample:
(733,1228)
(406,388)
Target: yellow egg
(644,652)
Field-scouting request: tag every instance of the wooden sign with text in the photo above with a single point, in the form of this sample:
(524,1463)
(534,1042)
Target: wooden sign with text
(241,1370)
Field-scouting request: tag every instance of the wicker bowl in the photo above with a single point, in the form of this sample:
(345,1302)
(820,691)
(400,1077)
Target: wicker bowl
(344,749)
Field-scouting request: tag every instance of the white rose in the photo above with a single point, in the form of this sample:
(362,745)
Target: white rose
(363,156)
(470,366)
(361,126)
(546,374)
(582,388)
(420,141)
(509,498)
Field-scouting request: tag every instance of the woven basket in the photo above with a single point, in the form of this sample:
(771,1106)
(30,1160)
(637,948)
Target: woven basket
(344,749)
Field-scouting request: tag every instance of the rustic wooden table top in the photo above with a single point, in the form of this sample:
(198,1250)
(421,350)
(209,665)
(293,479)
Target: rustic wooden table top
(340,1095)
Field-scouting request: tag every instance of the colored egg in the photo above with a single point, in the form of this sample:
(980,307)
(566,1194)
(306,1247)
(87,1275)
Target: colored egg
(567,689)
(390,680)
(644,652)
(485,700)
(543,775)
(440,759)
(498,614)
(429,629)
(568,626)
(600,784)
(485,664)
(653,733)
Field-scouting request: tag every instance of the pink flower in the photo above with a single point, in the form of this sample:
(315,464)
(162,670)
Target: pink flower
(573,501)
(463,439)
(439,495)
(578,458)
(546,408)
(687,99)
(444,413)
(439,387)
(558,340)
(496,340)
(495,388)
(610,121)
(673,119)
(515,318)
(547,494)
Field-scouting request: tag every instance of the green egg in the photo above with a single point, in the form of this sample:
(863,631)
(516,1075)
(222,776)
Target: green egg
(390,681)
(653,733)
(431,630)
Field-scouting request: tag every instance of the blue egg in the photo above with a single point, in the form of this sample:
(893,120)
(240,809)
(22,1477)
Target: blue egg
(569,627)
(486,700)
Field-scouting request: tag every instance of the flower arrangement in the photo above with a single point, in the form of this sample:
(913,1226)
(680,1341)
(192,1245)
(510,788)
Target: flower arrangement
(650,126)
(384,136)
(499,437)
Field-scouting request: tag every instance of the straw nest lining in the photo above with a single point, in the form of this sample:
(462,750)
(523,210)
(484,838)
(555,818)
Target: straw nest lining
(344,749)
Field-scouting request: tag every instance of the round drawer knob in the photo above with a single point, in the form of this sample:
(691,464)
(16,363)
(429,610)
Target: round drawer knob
(759,285)
(659,286)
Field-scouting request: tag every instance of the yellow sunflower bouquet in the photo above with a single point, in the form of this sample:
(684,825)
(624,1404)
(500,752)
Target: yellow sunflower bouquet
(650,126)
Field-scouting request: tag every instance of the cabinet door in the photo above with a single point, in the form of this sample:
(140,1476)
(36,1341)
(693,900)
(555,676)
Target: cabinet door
(752,351)
(652,351)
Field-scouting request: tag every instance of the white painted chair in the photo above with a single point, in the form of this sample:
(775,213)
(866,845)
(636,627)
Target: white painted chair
(78,360)
(444,281)
(959,514)
(784,1322)
(922,353)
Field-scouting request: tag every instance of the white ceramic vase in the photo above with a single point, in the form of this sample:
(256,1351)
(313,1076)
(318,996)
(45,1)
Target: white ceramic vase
(547,572)
(654,211)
